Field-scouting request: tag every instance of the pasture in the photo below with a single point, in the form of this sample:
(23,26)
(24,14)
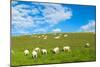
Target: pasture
(78,53)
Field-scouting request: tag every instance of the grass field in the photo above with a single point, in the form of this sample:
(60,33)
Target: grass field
(79,53)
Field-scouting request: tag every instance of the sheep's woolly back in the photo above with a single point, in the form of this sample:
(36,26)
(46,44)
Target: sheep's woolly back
(65,35)
(56,50)
(37,49)
(57,37)
(66,48)
(44,51)
(34,54)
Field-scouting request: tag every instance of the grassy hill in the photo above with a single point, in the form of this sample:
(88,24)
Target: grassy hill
(79,53)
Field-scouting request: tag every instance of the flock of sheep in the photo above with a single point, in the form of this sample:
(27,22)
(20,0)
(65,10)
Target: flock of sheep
(56,37)
(55,50)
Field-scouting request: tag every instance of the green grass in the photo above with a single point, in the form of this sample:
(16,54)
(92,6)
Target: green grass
(79,53)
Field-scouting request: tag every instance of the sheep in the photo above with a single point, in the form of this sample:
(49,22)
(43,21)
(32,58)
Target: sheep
(42,35)
(66,48)
(87,45)
(57,37)
(26,52)
(34,54)
(37,49)
(65,35)
(39,36)
(45,37)
(44,51)
(56,50)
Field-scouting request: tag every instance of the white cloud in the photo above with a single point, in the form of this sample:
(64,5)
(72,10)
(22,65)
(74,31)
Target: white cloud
(51,15)
(56,30)
(54,13)
(90,27)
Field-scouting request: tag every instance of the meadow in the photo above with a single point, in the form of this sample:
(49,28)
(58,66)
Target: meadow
(78,53)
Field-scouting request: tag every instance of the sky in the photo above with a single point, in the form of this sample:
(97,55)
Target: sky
(39,18)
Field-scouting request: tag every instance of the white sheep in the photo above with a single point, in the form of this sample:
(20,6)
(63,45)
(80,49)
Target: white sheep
(26,52)
(65,35)
(57,37)
(56,50)
(87,45)
(37,49)
(39,36)
(42,35)
(45,37)
(34,54)
(66,48)
(35,36)
(44,51)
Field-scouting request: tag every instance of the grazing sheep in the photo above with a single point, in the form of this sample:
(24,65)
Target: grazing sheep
(26,52)
(57,37)
(42,35)
(66,48)
(39,36)
(45,37)
(56,50)
(87,45)
(34,54)
(44,51)
(65,35)
(37,49)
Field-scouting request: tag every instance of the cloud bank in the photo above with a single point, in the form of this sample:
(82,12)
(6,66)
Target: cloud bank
(37,17)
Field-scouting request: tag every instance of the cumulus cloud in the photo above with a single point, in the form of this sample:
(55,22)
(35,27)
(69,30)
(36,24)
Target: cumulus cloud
(90,27)
(56,30)
(54,13)
(37,17)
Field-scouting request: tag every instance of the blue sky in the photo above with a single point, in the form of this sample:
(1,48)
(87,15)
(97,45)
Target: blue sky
(36,17)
